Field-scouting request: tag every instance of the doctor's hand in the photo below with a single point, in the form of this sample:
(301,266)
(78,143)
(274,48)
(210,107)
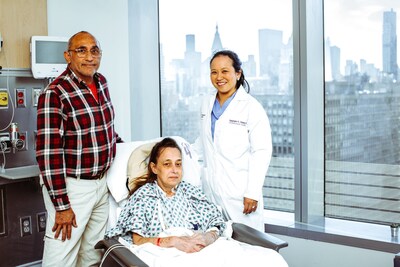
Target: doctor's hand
(250,205)
(64,221)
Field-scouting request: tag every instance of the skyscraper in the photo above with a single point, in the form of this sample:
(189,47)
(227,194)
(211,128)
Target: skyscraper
(270,44)
(217,44)
(192,63)
(335,62)
(389,43)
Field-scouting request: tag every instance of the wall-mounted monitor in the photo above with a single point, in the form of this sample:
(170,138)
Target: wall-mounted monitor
(47,56)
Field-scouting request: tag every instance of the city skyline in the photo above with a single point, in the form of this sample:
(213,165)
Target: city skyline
(348,26)
(238,24)
(361,118)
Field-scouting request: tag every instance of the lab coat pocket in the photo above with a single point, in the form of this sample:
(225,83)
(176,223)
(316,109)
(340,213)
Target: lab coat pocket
(233,139)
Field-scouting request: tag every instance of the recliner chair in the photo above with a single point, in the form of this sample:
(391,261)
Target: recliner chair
(115,253)
(118,255)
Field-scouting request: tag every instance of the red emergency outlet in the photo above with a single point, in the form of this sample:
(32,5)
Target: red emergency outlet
(20,97)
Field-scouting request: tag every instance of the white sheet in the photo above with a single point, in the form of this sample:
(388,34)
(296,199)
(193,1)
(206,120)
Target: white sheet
(225,252)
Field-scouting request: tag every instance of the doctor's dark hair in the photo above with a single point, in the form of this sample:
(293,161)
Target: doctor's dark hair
(237,65)
(155,153)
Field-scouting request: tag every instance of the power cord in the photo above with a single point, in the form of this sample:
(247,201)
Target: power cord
(3,147)
(108,251)
(8,92)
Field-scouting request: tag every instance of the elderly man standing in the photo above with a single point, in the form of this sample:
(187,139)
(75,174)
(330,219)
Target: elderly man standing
(75,146)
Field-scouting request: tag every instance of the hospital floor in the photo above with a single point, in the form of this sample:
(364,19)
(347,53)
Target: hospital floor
(32,264)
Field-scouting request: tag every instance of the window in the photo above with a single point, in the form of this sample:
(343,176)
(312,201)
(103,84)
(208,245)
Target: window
(362,111)
(260,32)
(343,131)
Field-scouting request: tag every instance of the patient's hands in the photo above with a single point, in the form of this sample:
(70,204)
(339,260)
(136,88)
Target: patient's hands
(206,238)
(190,244)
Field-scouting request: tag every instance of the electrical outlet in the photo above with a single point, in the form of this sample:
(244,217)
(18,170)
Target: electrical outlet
(5,143)
(35,96)
(26,226)
(41,221)
(20,97)
(4,137)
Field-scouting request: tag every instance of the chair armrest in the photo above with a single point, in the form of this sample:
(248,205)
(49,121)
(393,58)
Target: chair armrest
(247,234)
(118,255)
(397,260)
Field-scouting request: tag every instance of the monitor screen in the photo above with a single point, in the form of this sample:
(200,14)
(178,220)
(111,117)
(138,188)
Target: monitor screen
(50,52)
(47,56)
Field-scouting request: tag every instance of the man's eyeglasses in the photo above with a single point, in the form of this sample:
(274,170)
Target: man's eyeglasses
(83,52)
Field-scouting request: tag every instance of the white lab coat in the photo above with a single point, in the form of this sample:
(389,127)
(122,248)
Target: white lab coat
(236,162)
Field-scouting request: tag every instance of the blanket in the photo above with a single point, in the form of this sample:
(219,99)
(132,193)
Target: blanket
(225,252)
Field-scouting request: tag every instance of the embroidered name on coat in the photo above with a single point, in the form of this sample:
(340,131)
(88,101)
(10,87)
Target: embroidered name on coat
(241,123)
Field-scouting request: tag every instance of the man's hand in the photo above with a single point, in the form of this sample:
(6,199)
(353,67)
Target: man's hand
(64,221)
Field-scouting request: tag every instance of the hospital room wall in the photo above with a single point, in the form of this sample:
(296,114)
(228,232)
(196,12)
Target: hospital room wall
(134,93)
(108,22)
(136,102)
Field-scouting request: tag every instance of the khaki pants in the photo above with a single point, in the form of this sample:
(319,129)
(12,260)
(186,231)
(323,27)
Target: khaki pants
(89,201)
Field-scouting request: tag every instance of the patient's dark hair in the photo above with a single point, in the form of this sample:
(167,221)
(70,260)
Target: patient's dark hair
(155,153)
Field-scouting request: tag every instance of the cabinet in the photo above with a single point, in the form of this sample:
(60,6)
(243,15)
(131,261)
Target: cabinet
(21,198)
(19,20)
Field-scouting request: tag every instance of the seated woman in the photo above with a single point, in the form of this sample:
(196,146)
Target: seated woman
(166,212)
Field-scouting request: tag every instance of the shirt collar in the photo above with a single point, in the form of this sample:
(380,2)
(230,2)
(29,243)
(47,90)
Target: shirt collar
(218,109)
(80,81)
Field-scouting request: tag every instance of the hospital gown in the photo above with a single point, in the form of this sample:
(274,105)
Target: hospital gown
(149,212)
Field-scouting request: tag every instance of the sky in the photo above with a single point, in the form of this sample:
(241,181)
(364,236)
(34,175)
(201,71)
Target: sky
(238,22)
(355,26)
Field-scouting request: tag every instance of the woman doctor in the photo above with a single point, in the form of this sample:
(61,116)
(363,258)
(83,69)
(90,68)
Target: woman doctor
(235,139)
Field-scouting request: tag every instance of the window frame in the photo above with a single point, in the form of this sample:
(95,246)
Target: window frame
(308,220)
(308,81)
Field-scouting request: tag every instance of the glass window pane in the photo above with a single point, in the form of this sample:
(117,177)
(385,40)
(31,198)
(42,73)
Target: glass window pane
(362,111)
(260,32)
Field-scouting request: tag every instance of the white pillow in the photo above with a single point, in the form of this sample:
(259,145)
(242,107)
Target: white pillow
(114,211)
(117,174)
(190,162)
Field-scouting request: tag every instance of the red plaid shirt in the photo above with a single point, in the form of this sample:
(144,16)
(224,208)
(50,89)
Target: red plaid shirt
(75,133)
